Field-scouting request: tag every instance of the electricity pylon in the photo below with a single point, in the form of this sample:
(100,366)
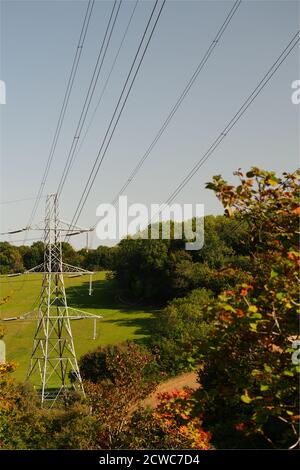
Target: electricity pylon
(53,353)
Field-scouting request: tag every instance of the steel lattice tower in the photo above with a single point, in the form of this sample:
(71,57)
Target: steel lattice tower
(53,354)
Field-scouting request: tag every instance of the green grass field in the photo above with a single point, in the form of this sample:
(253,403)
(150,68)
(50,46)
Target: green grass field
(119,322)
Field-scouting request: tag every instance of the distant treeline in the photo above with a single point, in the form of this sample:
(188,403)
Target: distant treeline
(14,259)
(153,270)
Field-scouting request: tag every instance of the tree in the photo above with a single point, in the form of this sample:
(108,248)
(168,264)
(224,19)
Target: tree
(141,266)
(99,259)
(249,382)
(32,255)
(158,270)
(116,389)
(70,256)
(10,259)
(169,426)
(178,331)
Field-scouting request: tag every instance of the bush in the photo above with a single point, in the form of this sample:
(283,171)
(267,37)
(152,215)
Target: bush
(109,363)
(25,425)
(116,391)
(179,330)
(169,426)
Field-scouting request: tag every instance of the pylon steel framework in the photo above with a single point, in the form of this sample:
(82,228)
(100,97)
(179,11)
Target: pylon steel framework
(53,353)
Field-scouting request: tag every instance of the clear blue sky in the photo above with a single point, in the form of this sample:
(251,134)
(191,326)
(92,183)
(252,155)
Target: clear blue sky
(38,40)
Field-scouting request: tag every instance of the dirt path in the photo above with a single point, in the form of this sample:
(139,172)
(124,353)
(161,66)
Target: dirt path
(188,379)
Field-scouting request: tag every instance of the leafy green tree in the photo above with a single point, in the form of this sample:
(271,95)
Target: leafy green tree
(163,269)
(10,259)
(141,266)
(179,330)
(32,255)
(69,254)
(99,259)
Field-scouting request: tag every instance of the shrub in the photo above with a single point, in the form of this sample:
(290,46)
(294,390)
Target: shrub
(170,426)
(178,331)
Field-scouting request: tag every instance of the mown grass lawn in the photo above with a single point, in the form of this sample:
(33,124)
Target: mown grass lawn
(119,322)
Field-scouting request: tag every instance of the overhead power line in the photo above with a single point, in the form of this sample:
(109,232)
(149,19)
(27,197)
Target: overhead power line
(179,101)
(105,84)
(91,90)
(257,90)
(19,200)
(114,122)
(65,103)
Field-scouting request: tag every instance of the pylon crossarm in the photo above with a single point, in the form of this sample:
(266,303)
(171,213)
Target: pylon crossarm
(72,227)
(74,317)
(69,268)
(39,268)
(20,317)
(66,269)
(12,232)
(41,228)
(81,273)
(35,269)
(88,314)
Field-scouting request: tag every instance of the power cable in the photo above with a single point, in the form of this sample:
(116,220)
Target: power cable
(90,93)
(105,84)
(97,163)
(65,103)
(263,82)
(179,101)
(19,200)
